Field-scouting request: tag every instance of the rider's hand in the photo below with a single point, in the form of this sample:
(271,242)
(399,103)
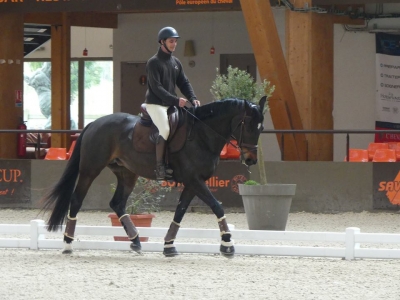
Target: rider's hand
(182,102)
(196,102)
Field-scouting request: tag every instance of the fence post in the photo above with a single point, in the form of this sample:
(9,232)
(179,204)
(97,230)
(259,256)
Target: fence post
(35,236)
(351,244)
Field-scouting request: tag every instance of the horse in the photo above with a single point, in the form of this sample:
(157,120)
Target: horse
(125,144)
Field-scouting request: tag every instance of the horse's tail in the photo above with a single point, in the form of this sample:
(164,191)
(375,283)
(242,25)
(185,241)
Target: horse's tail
(60,194)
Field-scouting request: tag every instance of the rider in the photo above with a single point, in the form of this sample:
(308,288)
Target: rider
(164,72)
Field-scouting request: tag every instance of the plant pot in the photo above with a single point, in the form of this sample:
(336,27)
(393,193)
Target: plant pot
(267,206)
(142,220)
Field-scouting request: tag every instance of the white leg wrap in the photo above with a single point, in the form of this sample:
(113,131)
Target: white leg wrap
(227,244)
(67,248)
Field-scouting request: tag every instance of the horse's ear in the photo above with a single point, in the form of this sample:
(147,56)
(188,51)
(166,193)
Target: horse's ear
(262,102)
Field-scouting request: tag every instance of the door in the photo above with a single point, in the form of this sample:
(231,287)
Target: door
(133,86)
(246,62)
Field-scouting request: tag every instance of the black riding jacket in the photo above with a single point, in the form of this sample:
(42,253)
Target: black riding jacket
(164,72)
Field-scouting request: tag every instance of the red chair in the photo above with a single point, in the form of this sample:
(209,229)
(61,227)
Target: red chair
(384,155)
(358,155)
(372,147)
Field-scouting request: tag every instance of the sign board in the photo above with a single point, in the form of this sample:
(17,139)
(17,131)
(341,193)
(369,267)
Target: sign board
(386,185)
(120,6)
(15,181)
(223,185)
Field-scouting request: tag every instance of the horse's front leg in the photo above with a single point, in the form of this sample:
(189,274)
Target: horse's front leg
(184,201)
(226,249)
(126,182)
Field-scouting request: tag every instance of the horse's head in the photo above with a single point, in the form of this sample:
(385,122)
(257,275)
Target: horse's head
(248,131)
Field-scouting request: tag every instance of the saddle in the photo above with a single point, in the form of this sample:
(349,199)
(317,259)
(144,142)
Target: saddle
(145,133)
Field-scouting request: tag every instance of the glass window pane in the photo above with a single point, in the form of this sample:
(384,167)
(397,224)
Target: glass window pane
(74,94)
(37,95)
(98,89)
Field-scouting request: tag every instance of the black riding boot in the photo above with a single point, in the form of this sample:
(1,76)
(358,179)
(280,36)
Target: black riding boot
(160,157)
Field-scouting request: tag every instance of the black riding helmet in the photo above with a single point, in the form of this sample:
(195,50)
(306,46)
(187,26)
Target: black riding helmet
(167,32)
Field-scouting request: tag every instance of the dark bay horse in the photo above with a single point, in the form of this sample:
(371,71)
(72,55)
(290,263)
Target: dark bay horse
(121,142)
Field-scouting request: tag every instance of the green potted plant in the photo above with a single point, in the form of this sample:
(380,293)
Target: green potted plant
(144,200)
(266,205)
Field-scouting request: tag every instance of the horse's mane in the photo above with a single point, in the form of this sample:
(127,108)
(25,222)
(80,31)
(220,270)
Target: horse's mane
(220,107)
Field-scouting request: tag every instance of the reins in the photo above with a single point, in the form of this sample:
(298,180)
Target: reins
(252,148)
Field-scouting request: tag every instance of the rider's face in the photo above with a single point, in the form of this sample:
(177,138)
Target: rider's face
(171,43)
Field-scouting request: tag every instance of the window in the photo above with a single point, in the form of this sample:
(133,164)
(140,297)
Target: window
(91,92)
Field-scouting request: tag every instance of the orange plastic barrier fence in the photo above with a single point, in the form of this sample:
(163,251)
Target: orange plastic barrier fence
(358,155)
(71,149)
(56,154)
(384,155)
(372,147)
(230,151)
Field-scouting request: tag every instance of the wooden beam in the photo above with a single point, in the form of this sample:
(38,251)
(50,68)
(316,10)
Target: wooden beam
(350,2)
(90,19)
(100,20)
(272,67)
(60,81)
(43,18)
(309,46)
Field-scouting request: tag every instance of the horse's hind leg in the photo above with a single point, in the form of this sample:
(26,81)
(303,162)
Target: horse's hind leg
(184,201)
(126,182)
(81,189)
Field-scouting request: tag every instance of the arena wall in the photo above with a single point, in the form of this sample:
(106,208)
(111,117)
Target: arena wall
(322,187)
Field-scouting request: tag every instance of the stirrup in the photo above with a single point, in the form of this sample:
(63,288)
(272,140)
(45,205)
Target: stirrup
(160,172)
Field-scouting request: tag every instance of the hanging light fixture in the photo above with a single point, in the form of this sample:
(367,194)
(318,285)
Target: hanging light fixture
(85,51)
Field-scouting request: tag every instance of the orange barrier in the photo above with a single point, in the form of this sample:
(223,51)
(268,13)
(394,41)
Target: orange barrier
(396,147)
(56,154)
(358,155)
(372,147)
(230,151)
(384,155)
(71,149)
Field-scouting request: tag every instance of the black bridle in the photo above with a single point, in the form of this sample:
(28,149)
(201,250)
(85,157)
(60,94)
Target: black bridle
(251,148)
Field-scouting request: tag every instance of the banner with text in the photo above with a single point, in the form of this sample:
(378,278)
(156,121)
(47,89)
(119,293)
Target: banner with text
(387,86)
(15,181)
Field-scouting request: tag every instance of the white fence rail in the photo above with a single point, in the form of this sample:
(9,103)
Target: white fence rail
(350,241)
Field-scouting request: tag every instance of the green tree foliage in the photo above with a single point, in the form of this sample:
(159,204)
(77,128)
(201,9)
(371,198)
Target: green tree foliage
(239,84)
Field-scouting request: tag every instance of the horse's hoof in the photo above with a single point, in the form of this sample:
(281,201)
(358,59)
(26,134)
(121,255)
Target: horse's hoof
(67,249)
(136,246)
(170,252)
(227,251)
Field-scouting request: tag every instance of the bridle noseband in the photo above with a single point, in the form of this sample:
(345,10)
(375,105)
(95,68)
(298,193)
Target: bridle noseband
(251,148)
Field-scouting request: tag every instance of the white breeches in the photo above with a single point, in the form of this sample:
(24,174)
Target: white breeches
(158,114)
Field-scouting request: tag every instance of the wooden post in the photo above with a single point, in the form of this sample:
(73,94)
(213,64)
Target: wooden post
(272,67)
(61,81)
(11,80)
